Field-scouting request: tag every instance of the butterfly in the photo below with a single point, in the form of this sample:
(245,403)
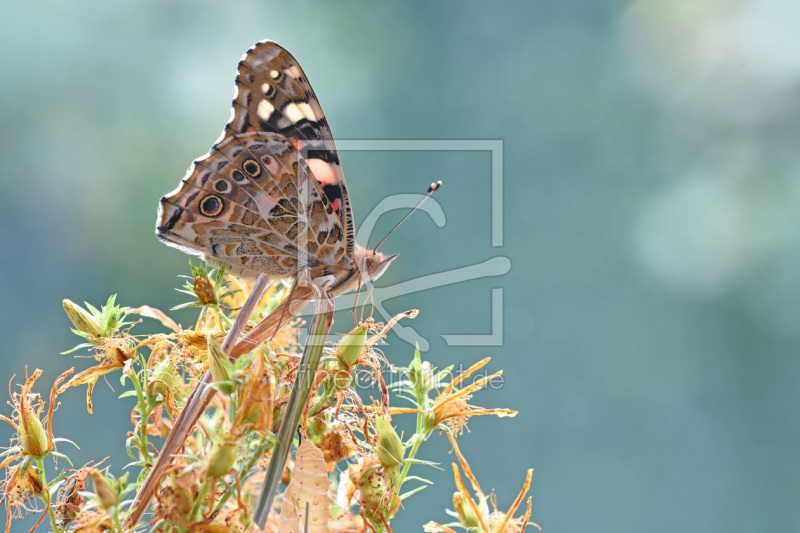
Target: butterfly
(269,200)
(270,196)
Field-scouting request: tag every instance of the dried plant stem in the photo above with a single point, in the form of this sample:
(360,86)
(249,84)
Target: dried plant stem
(196,404)
(318,332)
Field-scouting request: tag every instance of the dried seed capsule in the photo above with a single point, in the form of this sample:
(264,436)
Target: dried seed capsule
(351,346)
(390,448)
(105,492)
(82,319)
(220,366)
(221,459)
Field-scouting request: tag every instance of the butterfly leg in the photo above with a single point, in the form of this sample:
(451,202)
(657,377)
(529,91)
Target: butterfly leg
(288,301)
(355,304)
(304,381)
(196,404)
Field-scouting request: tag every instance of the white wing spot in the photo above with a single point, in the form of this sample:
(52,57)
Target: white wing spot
(266,88)
(293,113)
(307,111)
(294,70)
(264,110)
(274,74)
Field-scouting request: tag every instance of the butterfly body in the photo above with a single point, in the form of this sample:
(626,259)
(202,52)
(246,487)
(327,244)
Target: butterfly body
(270,196)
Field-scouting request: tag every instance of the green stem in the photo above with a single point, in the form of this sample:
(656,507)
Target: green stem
(327,392)
(304,380)
(50,513)
(223,317)
(117,523)
(263,446)
(144,414)
(201,496)
(417,438)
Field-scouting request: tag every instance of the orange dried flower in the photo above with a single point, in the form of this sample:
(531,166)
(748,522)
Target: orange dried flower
(337,446)
(255,399)
(473,513)
(112,353)
(451,408)
(33,439)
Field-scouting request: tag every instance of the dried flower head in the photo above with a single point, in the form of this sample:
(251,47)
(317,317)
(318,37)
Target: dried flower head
(473,512)
(72,501)
(32,437)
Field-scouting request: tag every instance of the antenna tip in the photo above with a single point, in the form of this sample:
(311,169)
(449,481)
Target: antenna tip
(434,186)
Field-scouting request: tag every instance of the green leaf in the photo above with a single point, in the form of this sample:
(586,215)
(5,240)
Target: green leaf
(60,456)
(426,463)
(15,449)
(61,439)
(409,493)
(420,479)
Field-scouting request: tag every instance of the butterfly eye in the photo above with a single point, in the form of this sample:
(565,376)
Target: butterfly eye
(211,205)
(222,186)
(252,167)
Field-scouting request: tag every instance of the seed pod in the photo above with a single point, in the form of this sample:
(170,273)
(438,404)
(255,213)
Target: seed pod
(204,291)
(421,374)
(341,379)
(465,515)
(351,346)
(82,319)
(220,366)
(373,485)
(222,458)
(32,435)
(165,379)
(105,492)
(390,448)
(428,420)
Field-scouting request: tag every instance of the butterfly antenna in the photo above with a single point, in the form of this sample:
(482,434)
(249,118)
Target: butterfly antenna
(433,188)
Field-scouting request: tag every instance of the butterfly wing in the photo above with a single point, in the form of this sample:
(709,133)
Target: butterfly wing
(273,96)
(254,204)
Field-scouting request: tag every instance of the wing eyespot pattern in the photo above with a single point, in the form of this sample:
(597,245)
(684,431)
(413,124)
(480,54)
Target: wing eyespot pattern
(251,167)
(211,205)
(272,99)
(222,186)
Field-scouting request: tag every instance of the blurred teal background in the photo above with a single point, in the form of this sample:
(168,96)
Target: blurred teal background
(651,187)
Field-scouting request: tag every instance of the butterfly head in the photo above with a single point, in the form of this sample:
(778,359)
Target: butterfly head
(372,264)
